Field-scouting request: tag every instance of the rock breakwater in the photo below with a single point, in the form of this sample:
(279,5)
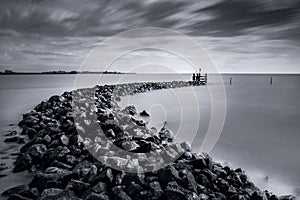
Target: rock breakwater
(71,160)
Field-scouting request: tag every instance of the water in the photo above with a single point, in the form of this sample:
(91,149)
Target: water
(260,135)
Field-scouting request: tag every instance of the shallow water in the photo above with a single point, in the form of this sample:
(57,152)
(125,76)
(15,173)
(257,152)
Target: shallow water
(261,131)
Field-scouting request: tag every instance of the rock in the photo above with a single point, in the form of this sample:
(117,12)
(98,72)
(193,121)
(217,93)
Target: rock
(167,174)
(56,98)
(23,162)
(203,196)
(71,160)
(223,185)
(105,176)
(79,187)
(203,180)
(15,190)
(136,177)
(198,163)
(51,194)
(22,140)
(100,187)
(94,196)
(273,197)
(172,192)
(17,197)
(37,153)
(187,180)
(25,148)
(64,140)
(166,134)
(61,165)
(155,189)
(118,193)
(12,139)
(133,189)
(129,145)
(144,113)
(53,177)
(30,132)
(86,170)
(130,110)
(47,139)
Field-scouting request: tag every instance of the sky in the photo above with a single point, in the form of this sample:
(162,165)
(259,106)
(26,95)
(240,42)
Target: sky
(240,36)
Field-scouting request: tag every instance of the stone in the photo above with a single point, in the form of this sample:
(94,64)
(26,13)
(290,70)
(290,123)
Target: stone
(56,98)
(174,194)
(14,190)
(106,176)
(23,162)
(187,180)
(79,187)
(133,189)
(136,177)
(51,194)
(118,193)
(37,152)
(86,170)
(12,139)
(203,180)
(64,140)
(53,177)
(61,165)
(144,113)
(99,188)
(198,163)
(17,197)
(155,189)
(130,110)
(95,196)
(203,196)
(30,132)
(167,174)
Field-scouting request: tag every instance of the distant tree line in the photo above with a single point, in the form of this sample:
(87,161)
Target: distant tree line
(8,72)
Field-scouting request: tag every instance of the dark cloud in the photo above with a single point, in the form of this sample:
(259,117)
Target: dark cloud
(107,17)
(240,35)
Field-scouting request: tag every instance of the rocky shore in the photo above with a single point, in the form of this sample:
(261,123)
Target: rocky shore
(57,151)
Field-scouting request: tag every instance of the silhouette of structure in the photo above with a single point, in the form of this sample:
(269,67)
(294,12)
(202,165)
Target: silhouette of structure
(199,79)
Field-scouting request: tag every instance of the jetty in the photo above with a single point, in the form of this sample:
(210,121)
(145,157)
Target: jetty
(199,78)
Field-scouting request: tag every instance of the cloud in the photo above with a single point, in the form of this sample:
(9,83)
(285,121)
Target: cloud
(39,34)
(216,17)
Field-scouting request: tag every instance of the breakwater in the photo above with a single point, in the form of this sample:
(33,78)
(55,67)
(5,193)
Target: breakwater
(64,168)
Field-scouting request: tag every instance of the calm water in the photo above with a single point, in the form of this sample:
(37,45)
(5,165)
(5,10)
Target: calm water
(261,133)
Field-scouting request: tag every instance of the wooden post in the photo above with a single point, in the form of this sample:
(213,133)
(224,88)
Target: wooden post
(230,80)
(271,80)
(205,78)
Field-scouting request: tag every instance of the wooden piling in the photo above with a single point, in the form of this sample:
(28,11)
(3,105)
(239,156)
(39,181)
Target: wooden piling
(271,80)
(230,80)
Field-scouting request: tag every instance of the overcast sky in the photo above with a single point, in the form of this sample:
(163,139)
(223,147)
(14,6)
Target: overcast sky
(239,35)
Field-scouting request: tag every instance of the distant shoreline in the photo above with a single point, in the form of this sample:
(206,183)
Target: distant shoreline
(58,73)
(75,72)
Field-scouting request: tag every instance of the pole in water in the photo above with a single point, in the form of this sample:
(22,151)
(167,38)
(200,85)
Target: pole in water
(271,80)
(230,81)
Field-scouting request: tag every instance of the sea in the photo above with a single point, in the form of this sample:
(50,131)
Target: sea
(260,134)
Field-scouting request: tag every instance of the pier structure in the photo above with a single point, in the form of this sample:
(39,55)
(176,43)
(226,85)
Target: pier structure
(199,79)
